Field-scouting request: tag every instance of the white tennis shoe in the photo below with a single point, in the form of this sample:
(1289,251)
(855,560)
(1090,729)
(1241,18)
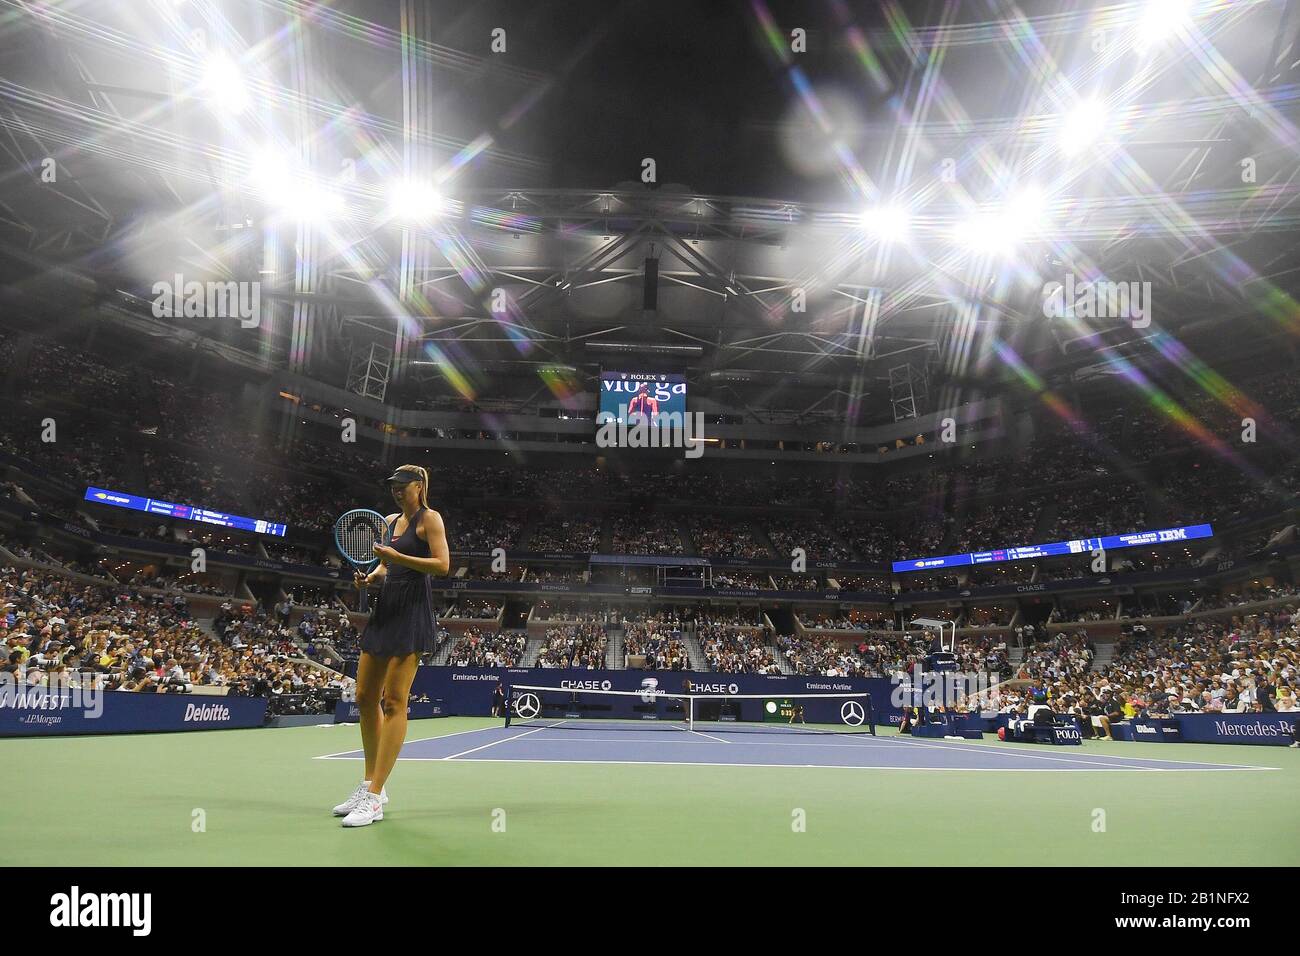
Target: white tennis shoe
(369,810)
(351,803)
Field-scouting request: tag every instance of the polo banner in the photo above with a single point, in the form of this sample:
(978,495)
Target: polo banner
(43,711)
(469,691)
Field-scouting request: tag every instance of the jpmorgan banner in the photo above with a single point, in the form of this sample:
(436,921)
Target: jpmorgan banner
(38,711)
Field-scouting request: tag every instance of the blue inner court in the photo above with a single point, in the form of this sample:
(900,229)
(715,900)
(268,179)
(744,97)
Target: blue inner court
(759,745)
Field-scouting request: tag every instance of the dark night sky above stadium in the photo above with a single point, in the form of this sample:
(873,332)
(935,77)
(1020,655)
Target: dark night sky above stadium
(693,84)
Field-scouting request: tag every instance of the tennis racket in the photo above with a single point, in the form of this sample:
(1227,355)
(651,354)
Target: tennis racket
(355,535)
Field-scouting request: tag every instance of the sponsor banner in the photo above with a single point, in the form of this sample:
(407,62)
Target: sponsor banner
(124,542)
(185,512)
(768,594)
(41,711)
(345,711)
(764,564)
(1109,582)
(1272,728)
(504,587)
(596,590)
(1155,730)
(467,691)
(525,555)
(176,549)
(1066,736)
(1054,548)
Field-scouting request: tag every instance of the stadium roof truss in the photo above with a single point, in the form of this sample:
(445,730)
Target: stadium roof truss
(150,184)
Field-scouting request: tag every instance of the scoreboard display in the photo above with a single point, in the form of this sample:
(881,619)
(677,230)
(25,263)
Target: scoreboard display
(1109,542)
(778,710)
(172,509)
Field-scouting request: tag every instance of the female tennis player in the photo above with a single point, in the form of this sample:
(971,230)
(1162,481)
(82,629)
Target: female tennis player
(401,628)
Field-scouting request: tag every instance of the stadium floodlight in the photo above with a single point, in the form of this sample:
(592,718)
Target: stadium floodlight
(886,223)
(413,200)
(983,234)
(1024,213)
(295,193)
(223,85)
(1159,21)
(1082,127)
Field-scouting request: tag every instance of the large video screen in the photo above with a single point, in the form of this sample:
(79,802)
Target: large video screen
(626,397)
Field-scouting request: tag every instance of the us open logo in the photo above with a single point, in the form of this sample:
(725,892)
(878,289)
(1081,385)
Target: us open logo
(650,689)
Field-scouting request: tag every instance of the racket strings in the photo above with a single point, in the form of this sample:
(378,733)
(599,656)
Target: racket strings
(358,537)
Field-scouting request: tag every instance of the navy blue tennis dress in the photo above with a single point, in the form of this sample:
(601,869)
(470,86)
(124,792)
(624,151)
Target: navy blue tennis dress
(402,621)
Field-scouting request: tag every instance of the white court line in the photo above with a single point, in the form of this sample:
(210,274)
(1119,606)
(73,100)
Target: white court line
(504,740)
(821,766)
(698,733)
(1021,752)
(1024,751)
(1028,750)
(416,740)
(871,741)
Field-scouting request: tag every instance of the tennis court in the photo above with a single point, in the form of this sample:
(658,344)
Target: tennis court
(766,745)
(469,791)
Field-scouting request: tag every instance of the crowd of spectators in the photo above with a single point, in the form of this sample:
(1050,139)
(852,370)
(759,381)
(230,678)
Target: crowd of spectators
(822,656)
(731,651)
(1247,664)
(565,533)
(658,641)
(845,619)
(477,648)
(474,609)
(575,645)
(729,536)
(816,540)
(485,530)
(643,533)
(116,638)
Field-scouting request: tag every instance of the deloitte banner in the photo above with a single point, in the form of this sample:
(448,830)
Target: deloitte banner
(31,711)
(468,691)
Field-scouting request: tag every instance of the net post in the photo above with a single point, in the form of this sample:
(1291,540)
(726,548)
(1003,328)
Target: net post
(690,712)
(508,704)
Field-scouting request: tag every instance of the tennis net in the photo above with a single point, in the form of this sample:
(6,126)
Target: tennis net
(570,708)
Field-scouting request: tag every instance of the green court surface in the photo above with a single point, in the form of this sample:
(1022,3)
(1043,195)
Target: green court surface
(265,799)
